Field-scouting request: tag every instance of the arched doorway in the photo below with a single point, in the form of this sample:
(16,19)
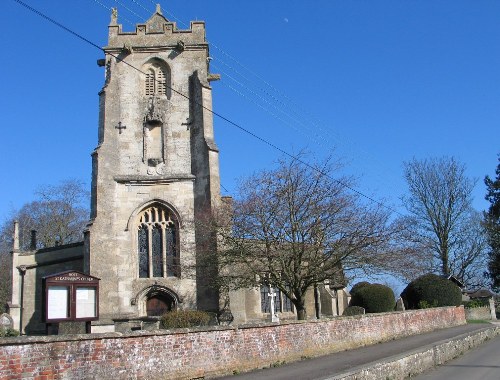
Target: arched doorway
(159,304)
(156,300)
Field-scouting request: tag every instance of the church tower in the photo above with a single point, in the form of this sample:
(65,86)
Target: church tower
(154,171)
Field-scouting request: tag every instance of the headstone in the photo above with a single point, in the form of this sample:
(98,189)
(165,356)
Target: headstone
(6,321)
(400,305)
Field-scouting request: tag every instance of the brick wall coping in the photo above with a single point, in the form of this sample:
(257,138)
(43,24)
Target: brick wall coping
(22,340)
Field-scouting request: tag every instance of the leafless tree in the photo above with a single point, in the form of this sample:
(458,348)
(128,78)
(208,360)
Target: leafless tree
(443,233)
(296,226)
(58,214)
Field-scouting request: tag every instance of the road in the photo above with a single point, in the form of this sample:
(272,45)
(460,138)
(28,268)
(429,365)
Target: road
(482,363)
(326,366)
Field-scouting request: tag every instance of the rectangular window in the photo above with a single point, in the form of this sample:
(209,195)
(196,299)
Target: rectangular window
(264,299)
(287,304)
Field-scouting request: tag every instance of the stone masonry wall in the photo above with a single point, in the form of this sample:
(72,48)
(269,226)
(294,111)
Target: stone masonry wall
(187,354)
(482,312)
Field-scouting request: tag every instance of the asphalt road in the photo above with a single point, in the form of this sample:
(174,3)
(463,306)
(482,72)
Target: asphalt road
(329,365)
(482,363)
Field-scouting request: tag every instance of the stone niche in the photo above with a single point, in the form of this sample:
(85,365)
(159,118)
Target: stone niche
(154,125)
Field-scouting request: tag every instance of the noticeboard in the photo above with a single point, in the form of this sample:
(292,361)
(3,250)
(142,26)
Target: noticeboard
(71,296)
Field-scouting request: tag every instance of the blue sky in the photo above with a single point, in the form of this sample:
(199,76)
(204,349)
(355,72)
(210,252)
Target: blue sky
(375,82)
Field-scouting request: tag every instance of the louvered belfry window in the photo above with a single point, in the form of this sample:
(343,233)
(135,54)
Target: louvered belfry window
(150,82)
(157,243)
(161,82)
(156,79)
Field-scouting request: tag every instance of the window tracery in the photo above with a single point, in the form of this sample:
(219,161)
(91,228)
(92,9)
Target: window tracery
(157,243)
(157,78)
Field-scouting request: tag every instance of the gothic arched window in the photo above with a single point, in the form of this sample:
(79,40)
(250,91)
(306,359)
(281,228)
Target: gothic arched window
(157,246)
(157,81)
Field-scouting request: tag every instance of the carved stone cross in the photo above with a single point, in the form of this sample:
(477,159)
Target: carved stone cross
(274,316)
(120,127)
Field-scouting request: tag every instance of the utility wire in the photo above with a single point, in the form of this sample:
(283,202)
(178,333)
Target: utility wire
(220,116)
(109,9)
(128,9)
(286,104)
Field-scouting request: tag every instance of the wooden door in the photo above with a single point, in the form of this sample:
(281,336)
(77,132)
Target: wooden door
(157,305)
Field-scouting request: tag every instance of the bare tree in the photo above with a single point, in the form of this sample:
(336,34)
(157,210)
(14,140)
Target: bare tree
(442,229)
(294,227)
(58,214)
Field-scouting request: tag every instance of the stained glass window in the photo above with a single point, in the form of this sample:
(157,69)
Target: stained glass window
(287,304)
(171,252)
(157,246)
(264,299)
(143,243)
(157,254)
(281,302)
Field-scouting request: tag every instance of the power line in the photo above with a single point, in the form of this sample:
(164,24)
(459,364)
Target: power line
(315,127)
(109,9)
(220,116)
(128,9)
(310,134)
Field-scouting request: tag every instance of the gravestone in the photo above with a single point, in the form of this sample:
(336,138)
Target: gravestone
(6,321)
(400,305)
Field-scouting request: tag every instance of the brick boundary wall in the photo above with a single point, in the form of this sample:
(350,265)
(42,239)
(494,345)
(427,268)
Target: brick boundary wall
(197,353)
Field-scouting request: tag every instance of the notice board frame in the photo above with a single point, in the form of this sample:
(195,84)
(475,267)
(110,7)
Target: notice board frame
(71,280)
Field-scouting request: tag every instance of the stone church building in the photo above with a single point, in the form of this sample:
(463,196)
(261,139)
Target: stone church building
(155,170)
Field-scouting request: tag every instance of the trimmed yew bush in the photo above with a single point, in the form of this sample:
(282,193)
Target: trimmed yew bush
(353,310)
(184,318)
(431,290)
(358,286)
(374,298)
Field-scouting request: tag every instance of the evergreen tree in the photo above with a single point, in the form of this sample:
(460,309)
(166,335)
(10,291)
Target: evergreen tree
(492,224)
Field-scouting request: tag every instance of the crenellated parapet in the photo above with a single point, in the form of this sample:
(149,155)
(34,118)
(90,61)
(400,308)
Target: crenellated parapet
(156,33)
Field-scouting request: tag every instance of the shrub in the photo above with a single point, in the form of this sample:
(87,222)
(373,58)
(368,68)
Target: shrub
(184,318)
(358,286)
(374,298)
(476,303)
(431,290)
(423,304)
(8,332)
(353,310)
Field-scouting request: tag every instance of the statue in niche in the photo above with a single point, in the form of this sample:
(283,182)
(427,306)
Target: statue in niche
(154,147)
